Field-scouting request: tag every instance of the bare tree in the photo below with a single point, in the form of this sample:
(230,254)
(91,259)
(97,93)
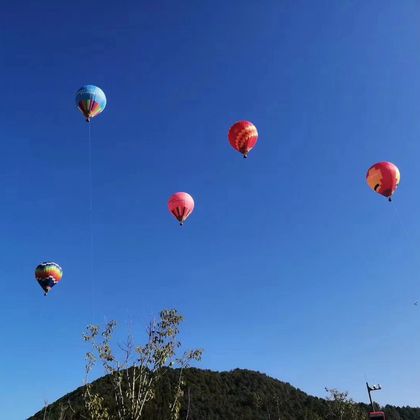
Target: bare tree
(60,413)
(135,373)
(189,404)
(45,410)
(342,407)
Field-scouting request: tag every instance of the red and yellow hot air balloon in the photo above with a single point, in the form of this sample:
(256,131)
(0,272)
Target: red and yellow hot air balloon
(383,178)
(181,205)
(243,137)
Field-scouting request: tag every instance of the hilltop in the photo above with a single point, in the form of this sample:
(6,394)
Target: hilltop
(208,395)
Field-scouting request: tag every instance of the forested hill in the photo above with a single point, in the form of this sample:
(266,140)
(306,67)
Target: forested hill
(236,395)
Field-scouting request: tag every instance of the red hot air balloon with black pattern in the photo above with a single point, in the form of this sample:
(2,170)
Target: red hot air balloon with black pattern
(383,178)
(181,205)
(243,137)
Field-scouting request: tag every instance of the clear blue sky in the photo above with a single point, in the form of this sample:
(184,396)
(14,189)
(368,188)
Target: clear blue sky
(290,265)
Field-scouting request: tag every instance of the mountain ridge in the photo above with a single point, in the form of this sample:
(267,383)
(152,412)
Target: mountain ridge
(225,395)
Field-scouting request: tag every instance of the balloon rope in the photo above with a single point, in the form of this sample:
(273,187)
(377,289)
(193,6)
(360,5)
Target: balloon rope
(91,226)
(402,224)
(90,170)
(403,227)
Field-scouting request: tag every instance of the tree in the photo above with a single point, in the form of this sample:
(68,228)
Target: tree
(342,407)
(136,371)
(60,413)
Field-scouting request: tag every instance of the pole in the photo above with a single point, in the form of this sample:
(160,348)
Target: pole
(370,397)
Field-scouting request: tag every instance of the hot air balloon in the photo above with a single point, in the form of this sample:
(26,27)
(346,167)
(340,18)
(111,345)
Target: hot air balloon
(383,178)
(48,274)
(243,136)
(91,101)
(181,205)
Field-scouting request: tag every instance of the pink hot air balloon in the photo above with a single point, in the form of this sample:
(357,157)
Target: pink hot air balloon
(181,205)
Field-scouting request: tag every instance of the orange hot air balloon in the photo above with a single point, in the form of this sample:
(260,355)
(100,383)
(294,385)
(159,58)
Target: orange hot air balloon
(383,178)
(181,205)
(243,136)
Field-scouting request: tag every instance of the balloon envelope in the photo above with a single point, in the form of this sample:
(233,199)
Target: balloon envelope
(90,100)
(243,136)
(383,178)
(181,205)
(48,274)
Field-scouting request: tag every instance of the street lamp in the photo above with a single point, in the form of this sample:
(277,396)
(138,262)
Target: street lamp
(374,415)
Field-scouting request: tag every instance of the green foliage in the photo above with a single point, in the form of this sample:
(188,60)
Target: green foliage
(239,394)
